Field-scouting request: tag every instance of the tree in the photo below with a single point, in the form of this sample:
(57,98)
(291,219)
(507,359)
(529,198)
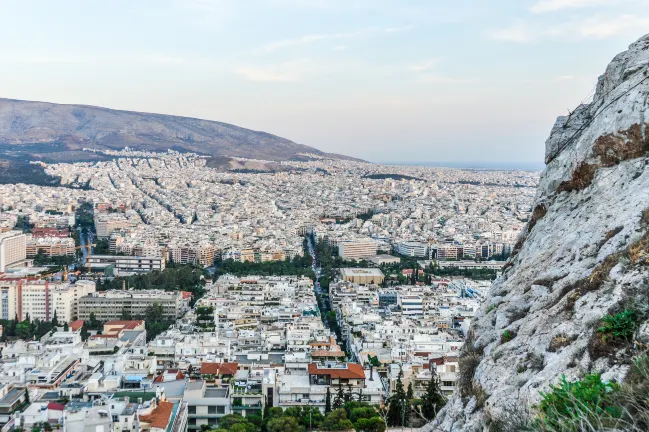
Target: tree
(85,334)
(24,330)
(126,314)
(283,424)
(93,324)
(433,400)
(399,405)
(328,402)
(348,395)
(66,327)
(340,396)
(410,394)
(374,424)
(235,423)
(337,420)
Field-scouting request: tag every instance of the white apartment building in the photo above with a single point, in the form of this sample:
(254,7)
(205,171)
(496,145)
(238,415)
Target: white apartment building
(108,305)
(13,249)
(356,249)
(125,265)
(40,299)
(413,249)
(411,304)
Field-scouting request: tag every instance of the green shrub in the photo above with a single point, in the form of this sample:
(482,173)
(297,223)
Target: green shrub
(621,326)
(491,307)
(507,336)
(570,405)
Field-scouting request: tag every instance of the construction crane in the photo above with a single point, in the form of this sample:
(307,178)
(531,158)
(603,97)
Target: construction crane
(88,247)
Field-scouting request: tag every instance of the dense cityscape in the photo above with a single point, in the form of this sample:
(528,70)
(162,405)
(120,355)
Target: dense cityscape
(150,291)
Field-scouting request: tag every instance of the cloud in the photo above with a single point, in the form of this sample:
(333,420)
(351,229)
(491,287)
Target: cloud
(516,33)
(600,27)
(125,59)
(595,27)
(289,71)
(424,71)
(313,38)
(439,79)
(542,6)
(424,66)
(210,6)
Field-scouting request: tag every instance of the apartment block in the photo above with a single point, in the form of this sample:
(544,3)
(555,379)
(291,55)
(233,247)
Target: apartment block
(40,299)
(13,249)
(107,223)
(50,246)
(206,404)
(108,305)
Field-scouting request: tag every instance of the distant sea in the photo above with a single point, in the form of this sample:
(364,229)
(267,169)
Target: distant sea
(524,166)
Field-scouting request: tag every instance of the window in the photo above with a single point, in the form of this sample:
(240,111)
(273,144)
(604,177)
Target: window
(192,422)
(191,409)
(220,409)
(211,409)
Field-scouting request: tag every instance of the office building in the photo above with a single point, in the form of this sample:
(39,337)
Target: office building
(412,249)
(357,249)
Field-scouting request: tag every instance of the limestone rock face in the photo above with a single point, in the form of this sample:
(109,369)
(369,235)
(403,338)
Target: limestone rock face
(583,255)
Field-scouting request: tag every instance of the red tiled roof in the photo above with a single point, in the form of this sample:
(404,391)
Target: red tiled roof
(55,406)
(219,368)
(76,325)
(159,417)
(353,371)
(126,324)
(161,378)
(186,294)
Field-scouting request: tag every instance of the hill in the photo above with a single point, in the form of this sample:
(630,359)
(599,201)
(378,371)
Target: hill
(55,132)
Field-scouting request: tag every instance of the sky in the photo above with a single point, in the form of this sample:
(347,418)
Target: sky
(387,81)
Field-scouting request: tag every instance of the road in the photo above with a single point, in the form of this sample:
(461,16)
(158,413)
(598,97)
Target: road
(316,269)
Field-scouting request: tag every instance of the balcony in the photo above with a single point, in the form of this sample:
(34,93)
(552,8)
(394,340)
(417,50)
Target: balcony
(256,406)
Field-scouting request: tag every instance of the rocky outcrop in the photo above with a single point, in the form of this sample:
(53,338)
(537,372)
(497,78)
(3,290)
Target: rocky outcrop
(583,255)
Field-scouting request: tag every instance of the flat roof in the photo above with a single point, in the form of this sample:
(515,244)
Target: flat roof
(360,272)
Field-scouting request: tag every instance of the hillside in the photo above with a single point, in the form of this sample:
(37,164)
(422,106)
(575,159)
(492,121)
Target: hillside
(54,132)
(582,260)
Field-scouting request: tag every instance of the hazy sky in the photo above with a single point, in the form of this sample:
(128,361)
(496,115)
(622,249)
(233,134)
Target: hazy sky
(399,81)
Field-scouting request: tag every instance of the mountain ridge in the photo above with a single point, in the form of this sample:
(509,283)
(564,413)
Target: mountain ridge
(71,127)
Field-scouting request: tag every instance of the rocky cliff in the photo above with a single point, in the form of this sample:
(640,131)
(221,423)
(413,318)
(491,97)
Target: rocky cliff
(582,256)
